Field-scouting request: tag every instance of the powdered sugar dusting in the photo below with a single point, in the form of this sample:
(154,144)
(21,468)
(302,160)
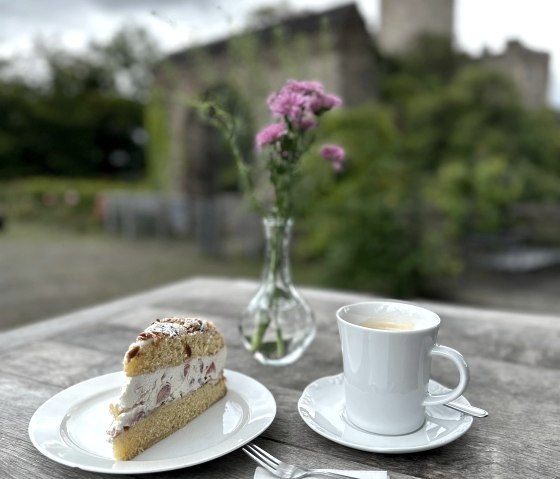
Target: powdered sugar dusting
(175,326)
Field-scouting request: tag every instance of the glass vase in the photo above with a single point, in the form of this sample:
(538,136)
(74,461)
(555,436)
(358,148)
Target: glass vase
(277,325)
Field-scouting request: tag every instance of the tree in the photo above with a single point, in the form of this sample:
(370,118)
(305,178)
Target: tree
(85,118)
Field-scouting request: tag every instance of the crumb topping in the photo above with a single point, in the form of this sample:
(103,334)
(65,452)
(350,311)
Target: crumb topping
(172,327)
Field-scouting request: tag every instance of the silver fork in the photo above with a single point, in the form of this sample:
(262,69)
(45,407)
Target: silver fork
(283,469)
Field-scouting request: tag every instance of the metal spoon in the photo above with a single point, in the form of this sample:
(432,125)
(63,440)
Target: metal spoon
(472,410)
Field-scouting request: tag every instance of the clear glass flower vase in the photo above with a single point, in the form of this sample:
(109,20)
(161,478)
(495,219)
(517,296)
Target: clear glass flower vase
(277,325)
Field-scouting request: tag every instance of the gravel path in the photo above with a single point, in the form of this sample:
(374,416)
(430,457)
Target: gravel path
(44,272)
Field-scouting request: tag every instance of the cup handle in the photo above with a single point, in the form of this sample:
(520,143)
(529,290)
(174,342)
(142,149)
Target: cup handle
(459,360)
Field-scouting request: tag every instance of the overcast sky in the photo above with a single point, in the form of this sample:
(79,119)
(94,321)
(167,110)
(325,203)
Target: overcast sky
(177,23)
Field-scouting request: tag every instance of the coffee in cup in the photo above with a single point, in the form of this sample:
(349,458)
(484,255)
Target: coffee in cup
(387,349)
(388,324)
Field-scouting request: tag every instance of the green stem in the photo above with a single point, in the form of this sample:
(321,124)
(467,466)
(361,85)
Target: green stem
(277,245)
(225,123)
(275,253)
(282,176)
(259,333)
(280,345)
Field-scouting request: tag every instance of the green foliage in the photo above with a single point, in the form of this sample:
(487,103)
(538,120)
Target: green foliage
(439,161)
(228,98)
(85,118)
(365,227)
(120,66)
(475,198)
(228,126)
(128,57)
(157,151)
(52,135)
(246,65)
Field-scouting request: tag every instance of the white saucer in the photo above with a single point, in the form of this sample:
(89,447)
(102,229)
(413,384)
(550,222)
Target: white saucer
(321,406)
(70,427)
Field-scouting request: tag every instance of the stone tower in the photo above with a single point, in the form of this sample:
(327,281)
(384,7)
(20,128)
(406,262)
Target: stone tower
(402,21)
(527,68)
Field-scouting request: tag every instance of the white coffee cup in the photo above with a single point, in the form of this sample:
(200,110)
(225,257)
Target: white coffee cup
(386,371)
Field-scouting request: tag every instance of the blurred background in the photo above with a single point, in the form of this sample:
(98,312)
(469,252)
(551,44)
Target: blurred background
(111,184)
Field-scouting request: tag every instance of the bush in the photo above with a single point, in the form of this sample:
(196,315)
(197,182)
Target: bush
(423,179)
(369,228)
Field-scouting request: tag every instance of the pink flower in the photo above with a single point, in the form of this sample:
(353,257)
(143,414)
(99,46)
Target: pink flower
(300,101)
(308,121)
(287,103)
(306,87)
(269,134)
(335,154)
(326,103)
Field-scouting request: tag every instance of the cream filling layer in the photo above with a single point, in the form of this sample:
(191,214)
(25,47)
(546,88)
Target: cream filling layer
(141,394)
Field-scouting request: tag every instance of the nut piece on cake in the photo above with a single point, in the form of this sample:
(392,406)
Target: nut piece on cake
(174,373)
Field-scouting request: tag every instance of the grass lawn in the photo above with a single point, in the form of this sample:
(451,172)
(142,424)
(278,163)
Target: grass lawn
(46,272)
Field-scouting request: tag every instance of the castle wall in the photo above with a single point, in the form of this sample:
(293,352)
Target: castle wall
(528,69)
(337,52)
(404,20)
(339,55)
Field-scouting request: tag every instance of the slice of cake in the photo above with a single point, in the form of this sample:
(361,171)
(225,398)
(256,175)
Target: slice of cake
(174,373)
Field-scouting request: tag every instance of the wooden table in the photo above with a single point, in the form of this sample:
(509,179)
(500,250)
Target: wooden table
(514,359)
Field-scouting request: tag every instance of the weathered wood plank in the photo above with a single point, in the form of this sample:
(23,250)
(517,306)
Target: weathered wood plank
(20,398)
(58,364)
(100,337)
(19,460)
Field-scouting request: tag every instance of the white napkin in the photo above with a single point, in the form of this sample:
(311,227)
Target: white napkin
(261,473)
